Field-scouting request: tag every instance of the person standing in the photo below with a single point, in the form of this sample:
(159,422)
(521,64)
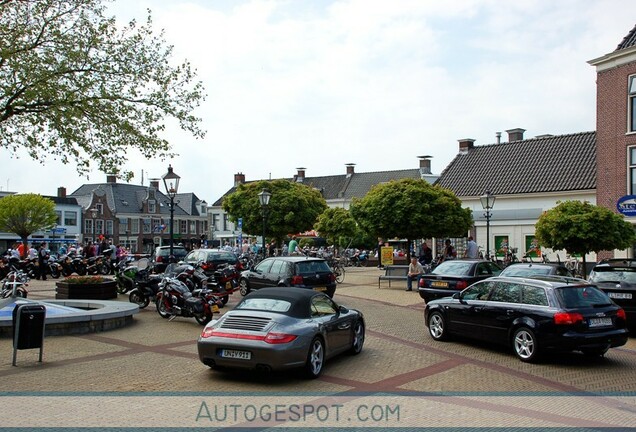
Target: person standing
(472,250)
(415,273)
(449,251)
(293,247)
(425,254)
(43,258)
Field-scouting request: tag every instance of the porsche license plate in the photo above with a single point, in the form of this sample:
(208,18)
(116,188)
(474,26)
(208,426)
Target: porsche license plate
(616,295)
(235,354)
(320,288)
(600,322)
(439,284)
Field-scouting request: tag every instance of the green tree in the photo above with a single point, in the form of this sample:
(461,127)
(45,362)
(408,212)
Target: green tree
(76,87)
(293,208)
(411,209)
(336,224)
(25,214)
(581,227)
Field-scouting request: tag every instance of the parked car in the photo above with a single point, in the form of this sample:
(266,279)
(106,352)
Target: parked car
(278,328)
(531,315)
(161,254)
(530,269)
(210,259)
(292,271)
(617,277)
(452,276)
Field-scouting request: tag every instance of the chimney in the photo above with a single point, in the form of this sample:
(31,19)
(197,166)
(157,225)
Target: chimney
(300,177)
(515,134)
(425,164)
(466,144)
(239,178)
(350,167)
(61,192)
(498,136)
(111,178)
(154,183)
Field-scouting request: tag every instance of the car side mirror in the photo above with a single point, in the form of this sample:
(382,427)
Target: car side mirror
(342,309)
(458,296)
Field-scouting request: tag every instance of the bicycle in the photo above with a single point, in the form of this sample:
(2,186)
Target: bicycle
(337,268)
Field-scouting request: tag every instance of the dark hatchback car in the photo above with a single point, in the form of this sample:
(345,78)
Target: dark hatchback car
(210,259)
(454,275)
(531,269)
(531,315)
(160,257)
(293,271)
(617,277)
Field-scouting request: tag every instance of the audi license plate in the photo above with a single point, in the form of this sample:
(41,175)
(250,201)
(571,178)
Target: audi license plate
(234,354)
(320,288)
(439,284)
(600,322)
(616,295)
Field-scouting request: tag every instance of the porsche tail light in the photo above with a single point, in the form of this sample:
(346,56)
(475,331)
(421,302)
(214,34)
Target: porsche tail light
(270,338)
(568,318)
(279,338)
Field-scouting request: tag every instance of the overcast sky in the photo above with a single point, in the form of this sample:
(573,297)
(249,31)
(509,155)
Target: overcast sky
(319,84)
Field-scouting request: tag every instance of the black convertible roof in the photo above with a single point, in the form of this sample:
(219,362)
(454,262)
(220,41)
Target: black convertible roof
(300,298)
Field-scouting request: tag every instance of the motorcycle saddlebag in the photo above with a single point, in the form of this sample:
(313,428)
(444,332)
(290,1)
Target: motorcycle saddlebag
(194,304)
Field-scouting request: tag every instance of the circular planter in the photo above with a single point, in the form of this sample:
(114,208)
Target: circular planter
(92,291)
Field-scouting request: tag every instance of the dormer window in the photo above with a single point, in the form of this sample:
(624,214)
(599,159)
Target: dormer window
(152,206)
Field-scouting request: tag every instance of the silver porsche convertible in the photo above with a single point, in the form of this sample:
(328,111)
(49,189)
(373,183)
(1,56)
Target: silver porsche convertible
(282,328)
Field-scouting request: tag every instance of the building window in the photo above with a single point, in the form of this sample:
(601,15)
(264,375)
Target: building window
(134,226)
(215,222)
(147,228)
(225,221)
(99,226)
(631,109)
(100,209)
(70,218)
(58,213)
(184,226)
(193,227)
(88,226)
(152,206)
(123,225)
(631,158)
(109,227)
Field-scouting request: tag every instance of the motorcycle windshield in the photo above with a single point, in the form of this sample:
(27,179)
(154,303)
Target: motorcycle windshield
(171,270)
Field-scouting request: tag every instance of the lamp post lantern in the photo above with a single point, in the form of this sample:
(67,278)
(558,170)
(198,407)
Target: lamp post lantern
(487,202)
(171,183)
(264,198)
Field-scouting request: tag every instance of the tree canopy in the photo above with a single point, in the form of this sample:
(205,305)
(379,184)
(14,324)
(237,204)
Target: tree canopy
(25,214)
(581,227)
(76,87)
(293,207)
(411,209)
(335,224)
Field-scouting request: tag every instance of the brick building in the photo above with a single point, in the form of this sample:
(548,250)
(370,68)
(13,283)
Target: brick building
(616,126)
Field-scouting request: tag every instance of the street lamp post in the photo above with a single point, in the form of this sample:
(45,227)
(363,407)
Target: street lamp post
(487,202)
(263,198)
(171,183)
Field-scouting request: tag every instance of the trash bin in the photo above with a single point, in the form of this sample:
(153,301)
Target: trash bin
(28,328)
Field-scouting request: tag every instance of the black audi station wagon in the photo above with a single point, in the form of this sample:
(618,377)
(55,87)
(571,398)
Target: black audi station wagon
(531,315)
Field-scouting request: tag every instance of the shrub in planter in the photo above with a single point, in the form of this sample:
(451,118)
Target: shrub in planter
(86,287)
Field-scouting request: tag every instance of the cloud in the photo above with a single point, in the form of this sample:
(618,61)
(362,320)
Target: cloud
(323,83)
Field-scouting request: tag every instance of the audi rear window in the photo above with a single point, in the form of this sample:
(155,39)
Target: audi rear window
(572,297)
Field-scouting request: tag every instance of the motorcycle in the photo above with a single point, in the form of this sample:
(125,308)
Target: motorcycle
(146,288)
(225,282)
(14,285)
(54,268)
(126,273)
(175,299)
(96,266)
